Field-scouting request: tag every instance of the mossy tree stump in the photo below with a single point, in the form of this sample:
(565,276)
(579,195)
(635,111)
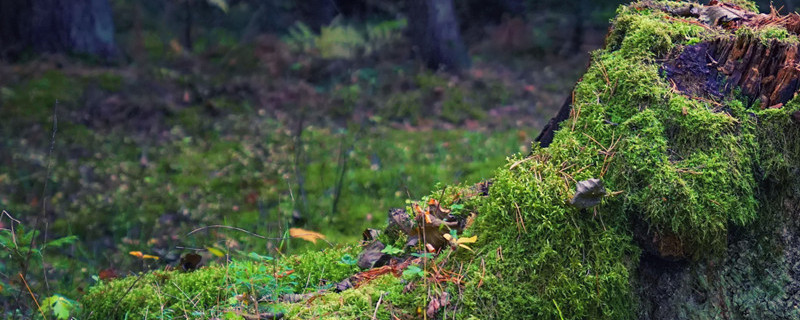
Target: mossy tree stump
(688,118)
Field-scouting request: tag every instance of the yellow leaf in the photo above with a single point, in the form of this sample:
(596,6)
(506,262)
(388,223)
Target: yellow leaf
(137,254)
(447,237)
(471,239)
(465,247)
(305,234)
(147,256)
(215,251)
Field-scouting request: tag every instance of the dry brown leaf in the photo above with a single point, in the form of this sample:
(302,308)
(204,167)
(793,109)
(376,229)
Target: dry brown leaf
(306,234)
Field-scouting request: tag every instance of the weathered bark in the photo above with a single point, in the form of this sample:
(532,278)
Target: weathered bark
(434,31)
(764,72)
(548,132)
(57,26)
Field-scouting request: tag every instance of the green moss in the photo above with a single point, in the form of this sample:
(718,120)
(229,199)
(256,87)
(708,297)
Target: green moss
(109,81)
(210,291)
(685,166)
(33,100)
(362,302)
(645,33)
(148,296)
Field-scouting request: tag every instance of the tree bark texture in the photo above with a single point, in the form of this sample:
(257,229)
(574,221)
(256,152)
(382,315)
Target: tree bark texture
(435,34)
(57,26)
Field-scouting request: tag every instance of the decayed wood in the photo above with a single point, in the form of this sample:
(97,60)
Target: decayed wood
(767,72)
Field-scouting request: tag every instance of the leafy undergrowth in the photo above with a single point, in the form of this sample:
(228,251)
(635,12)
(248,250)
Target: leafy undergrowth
(303,131)
(688,167)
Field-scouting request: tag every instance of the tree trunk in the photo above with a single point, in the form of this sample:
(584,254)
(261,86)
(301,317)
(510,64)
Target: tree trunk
(57,26)
(187,25)
(317,13)
(434,31)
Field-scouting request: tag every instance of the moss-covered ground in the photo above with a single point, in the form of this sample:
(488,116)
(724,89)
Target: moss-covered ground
(261,138)
(693,170)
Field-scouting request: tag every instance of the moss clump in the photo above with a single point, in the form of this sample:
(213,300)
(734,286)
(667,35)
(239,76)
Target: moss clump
(688,167)
(360,303)
(211,291)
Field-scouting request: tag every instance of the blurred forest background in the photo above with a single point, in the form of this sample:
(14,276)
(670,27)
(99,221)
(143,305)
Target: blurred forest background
(127,124)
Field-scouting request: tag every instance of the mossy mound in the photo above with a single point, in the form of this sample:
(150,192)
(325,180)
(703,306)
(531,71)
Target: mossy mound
(692,176)
(683,170)
(212,291)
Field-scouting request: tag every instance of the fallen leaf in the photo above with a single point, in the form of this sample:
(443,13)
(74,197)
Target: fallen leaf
(589,193)
(283,274)
(147,256)
(306,234)
(471,239)
(216,252)
(461,241)
(137,254)
(108,274)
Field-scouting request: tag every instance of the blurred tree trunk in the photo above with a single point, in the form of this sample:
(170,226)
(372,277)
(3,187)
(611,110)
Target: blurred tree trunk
(57,26)
(317,13)
(187,25)
(579,10)
(434,31)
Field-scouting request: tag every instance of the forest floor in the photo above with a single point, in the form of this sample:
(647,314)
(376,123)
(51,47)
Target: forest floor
(119,159)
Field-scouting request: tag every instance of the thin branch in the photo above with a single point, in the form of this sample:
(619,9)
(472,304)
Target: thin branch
(229,227)
(43,216)
(375,314)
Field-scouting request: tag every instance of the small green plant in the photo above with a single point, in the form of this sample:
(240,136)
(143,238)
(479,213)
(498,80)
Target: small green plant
(413,272)
(18,245)
(60,306)
(392,250)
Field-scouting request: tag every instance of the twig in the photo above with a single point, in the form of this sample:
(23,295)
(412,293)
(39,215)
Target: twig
(32,296)
(519,162)
(521,220)
(44,202)
(375,314)
(117,303)
(232,228)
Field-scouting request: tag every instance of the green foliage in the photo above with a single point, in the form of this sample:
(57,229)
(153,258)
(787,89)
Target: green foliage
(60,306)
(392,250)
(342,41)
(21,250)
(413,272)
(33,100)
